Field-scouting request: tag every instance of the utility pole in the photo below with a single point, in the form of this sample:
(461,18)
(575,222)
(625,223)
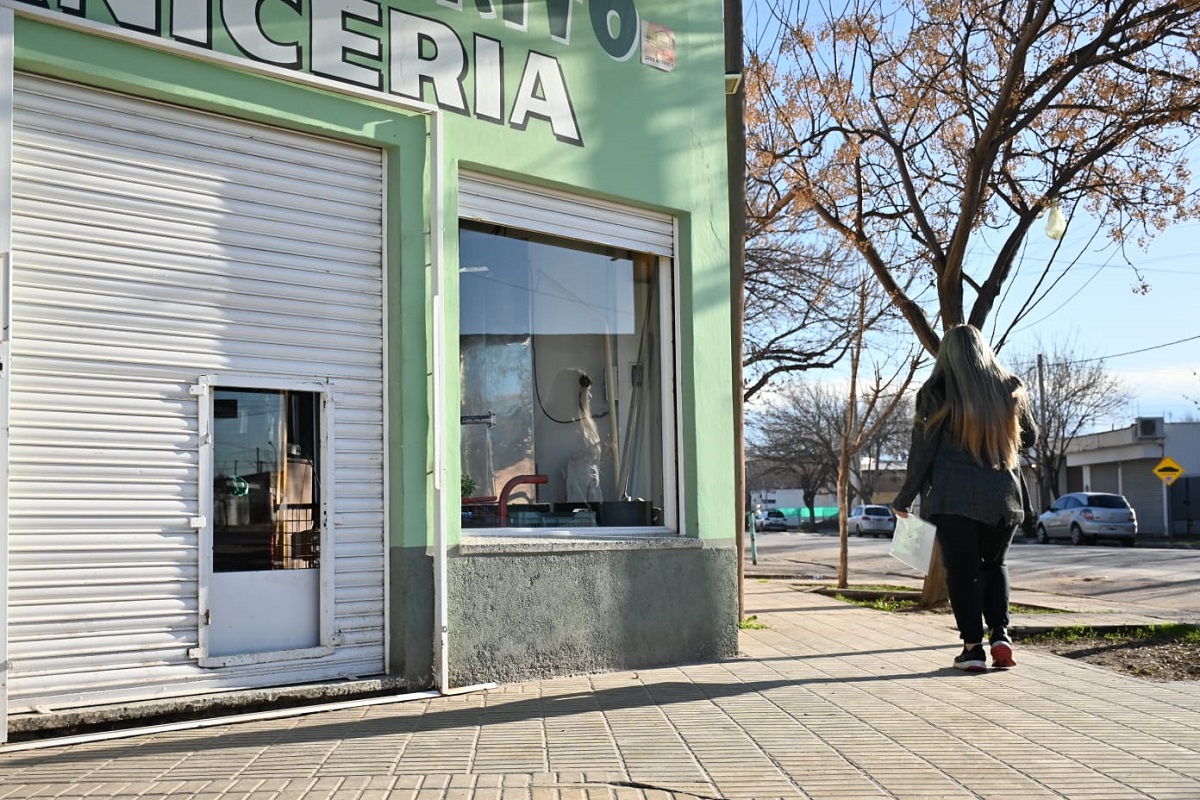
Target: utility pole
(1043,479)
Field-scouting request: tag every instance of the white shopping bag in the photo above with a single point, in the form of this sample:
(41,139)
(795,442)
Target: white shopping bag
(913,542)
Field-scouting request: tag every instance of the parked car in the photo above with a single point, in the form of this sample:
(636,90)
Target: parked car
(1084,517)
(774,520)
(875,520)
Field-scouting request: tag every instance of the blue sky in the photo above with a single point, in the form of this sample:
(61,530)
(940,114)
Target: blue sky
(1141,336)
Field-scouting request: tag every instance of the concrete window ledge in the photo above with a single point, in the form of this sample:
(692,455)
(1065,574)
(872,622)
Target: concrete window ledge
(572,543)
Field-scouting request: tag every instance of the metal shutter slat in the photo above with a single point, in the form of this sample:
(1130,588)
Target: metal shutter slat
(486,198)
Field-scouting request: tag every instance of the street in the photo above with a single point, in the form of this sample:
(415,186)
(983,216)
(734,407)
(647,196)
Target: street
(1156,580)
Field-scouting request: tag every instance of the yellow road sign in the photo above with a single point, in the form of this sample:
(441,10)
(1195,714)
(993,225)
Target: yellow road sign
(1168,470)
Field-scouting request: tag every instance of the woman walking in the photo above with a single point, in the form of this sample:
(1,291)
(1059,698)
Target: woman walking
(972,421)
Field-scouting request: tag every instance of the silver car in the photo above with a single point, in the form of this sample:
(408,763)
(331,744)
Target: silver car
(1084,517)
(876,520)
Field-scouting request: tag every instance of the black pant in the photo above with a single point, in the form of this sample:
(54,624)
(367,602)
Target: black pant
(976,574)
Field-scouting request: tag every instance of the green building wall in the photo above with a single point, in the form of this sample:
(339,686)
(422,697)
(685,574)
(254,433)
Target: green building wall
(644,137)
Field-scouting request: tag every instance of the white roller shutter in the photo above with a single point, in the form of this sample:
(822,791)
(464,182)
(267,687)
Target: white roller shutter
(489,199)
(1106,478)
(154,244)
(1144,491)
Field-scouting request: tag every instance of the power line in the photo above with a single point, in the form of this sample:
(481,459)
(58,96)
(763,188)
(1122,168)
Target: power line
(1135,352)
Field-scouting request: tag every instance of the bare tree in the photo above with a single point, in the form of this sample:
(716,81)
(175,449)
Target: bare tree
(889,445)
(797,439)
(796,313)
(930,137)
(800,296)
(797,433)
(1193,399)
(1070,395)
(866,412)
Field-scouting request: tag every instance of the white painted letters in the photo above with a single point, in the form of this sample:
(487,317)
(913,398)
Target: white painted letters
(543,94)
(245,28)
(140,15)
(489,79)
(424,50)
(350,41)
(191,22)
(332,41)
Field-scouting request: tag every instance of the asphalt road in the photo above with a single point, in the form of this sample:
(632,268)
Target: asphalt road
(1155,579)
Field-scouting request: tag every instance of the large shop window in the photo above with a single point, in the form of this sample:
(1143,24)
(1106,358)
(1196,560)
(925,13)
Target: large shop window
(564,383)
(266,496)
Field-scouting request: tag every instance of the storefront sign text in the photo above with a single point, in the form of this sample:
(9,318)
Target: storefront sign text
(368,43)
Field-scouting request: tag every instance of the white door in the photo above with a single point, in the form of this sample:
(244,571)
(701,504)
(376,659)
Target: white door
(264,449)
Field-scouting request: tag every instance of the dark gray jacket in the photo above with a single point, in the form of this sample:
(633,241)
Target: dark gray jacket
(951,481)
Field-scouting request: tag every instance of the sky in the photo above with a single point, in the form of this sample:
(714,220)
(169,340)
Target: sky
(1151,341)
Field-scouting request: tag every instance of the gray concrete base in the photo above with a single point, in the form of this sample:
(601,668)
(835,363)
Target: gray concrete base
(520,609)
(529,609)
(62,722)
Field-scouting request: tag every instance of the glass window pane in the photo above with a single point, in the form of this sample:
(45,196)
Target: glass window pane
(561,385)
(1106,501)
(266,497)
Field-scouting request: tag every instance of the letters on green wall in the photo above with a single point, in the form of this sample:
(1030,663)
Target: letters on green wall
(404,49)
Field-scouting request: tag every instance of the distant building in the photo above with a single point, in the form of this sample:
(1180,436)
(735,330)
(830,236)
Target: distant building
(1124,461)
(791,503)
(791,500)
(886,476)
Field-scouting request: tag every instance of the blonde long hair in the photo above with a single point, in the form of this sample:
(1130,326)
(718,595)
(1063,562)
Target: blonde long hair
(983,401)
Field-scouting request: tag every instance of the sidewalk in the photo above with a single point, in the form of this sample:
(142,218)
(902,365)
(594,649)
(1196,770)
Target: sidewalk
(829,702)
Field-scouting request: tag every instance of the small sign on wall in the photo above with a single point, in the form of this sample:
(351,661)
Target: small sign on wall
(658,46)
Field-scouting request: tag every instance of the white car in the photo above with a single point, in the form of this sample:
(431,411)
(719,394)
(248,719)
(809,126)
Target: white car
(775,520)
(1084,517)
(875,520)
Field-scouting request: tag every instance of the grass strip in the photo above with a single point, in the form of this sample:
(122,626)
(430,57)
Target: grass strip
(1167,632)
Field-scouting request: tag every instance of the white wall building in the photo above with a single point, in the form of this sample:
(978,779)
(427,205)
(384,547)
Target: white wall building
(1124,461)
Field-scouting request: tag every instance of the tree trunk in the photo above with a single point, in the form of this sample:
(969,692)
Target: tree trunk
(843,577)
(934,592)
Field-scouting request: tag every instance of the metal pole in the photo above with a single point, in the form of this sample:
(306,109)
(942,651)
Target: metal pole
(1166,496)
(753,541)
(1042,440)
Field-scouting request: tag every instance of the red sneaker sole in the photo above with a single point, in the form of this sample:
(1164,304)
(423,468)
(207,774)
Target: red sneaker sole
(1002,656)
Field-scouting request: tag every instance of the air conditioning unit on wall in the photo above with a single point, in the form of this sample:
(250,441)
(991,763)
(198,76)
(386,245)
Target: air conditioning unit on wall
(1148,428)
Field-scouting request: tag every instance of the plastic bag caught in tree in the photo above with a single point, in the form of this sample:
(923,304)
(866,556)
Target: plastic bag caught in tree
(1056,223)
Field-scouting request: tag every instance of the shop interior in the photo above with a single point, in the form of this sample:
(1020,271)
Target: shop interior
(561,383)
